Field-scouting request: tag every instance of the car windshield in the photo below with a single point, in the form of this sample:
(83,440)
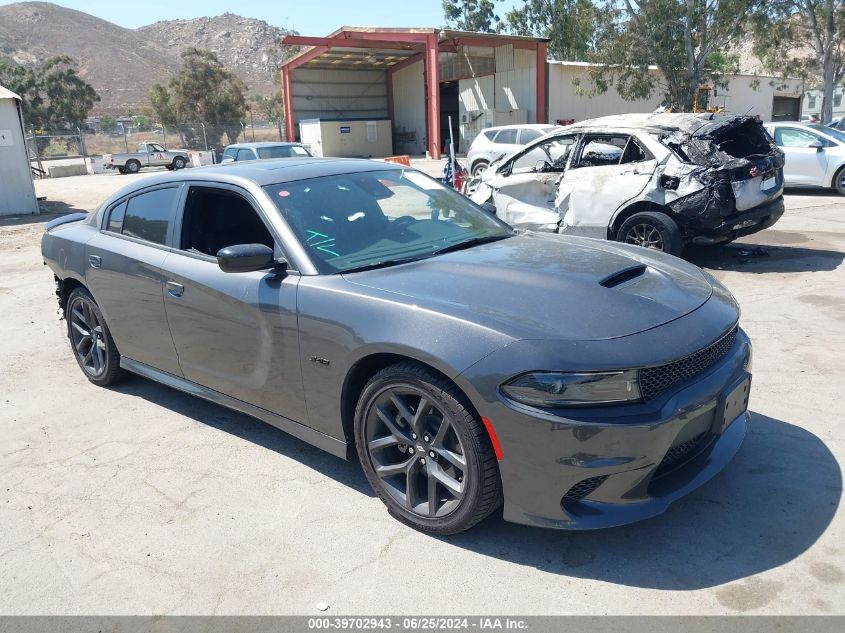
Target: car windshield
(379,218)
(282,151)
(829,131)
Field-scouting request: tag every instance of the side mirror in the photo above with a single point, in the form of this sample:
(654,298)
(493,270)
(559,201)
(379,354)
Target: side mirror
(228,159)
(818,144)
(244,258)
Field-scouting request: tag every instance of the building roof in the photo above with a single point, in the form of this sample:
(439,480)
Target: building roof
(379,48)
(5,93)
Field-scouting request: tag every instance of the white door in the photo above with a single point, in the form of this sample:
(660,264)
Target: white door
(805,165)
(607,171)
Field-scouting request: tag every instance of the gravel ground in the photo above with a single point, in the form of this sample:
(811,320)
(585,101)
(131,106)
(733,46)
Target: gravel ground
(142,500)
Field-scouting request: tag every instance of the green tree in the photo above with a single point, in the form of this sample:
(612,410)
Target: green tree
(53,94)
(570,25)
(108,124)
(202,92)
(472,15)
(679,37)
(804,38)
(271,108)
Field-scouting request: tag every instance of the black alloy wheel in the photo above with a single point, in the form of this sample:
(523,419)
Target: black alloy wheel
(93,346)
(424,452)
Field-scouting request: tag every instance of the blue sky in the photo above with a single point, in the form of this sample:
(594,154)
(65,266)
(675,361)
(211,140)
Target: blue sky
(309,17)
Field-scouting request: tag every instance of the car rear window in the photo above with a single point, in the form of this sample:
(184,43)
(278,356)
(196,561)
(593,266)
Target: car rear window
(149,215)
(490,134)
(507,136)
(282,151)
(529,134)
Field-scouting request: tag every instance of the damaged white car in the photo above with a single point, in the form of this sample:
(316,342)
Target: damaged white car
(656,180)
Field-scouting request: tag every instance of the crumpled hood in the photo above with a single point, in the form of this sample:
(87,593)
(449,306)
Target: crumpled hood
(548,286)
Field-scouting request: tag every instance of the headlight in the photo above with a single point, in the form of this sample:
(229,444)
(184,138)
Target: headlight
(560,389)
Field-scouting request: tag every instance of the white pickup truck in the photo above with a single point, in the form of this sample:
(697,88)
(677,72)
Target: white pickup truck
(148,155)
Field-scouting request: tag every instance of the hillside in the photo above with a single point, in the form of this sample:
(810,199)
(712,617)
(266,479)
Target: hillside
(122,64)
(246,46)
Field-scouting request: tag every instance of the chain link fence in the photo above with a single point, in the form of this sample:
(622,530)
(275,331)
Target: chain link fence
(65,145)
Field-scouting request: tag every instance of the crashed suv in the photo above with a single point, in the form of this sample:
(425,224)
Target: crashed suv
(656,180)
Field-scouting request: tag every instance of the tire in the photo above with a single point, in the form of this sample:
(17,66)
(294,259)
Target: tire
(121,170)
(479,167)
(839,182)
(652,229)
(178,163)
(463,468)
(99,360)
(132,166)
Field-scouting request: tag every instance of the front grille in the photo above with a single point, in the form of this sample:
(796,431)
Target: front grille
(583,488)
(677,453)
(656,380)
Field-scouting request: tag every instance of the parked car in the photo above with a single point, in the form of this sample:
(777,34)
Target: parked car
(837,124)
(262,151)
(496,142)
(815,154)
(148,155)
(654,180)
(809,118)
(369,310)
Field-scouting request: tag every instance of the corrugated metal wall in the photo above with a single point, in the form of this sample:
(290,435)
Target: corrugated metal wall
(339,94)
(473,95)
(516,81)
(409,109)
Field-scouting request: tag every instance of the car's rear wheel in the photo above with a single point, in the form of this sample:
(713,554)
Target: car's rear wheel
(479,167)
(652,229)
(178,163)
(92,343)
(424,451)
(133,166)
(839,182)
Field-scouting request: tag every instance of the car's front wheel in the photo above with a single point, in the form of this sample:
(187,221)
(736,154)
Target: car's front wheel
(839,182)
(424,451)
(92,343)
(652,229)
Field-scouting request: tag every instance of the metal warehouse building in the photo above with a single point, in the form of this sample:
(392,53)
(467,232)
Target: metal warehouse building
(416,79)
(17,194)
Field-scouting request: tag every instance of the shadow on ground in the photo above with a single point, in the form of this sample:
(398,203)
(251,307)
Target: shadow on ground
(247,428)
(765,257)
(766,508)
(50,210)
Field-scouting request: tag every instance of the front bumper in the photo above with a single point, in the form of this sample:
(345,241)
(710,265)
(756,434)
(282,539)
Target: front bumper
(617,465)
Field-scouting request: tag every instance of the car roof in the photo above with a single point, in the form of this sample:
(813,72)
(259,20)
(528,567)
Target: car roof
(264,172)
(792,124)
(537,126)
(263,144)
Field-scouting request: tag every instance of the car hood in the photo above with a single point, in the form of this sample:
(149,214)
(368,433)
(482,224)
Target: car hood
(548,286)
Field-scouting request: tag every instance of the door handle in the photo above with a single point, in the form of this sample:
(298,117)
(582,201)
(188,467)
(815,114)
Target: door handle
(95,261)
(174,289)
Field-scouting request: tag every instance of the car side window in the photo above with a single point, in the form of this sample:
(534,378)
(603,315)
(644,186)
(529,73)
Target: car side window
(116,213)
(217,218)
(148,215)
(549,156)
(527,134)
(230,151)
(793,137)
(634,152)
(507,137)
(602,150)
(245,154)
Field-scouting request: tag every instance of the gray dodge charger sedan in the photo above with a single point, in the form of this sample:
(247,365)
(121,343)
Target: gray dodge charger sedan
(368,310)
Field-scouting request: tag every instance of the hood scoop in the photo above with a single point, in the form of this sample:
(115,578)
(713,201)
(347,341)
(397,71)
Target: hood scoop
(621,276)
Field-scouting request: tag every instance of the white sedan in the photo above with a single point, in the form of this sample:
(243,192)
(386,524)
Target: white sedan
(815,154)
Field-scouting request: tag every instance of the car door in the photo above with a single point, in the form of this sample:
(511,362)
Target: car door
(805,165)
(235,333)
(126,278)
(524,189)
(605,172)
